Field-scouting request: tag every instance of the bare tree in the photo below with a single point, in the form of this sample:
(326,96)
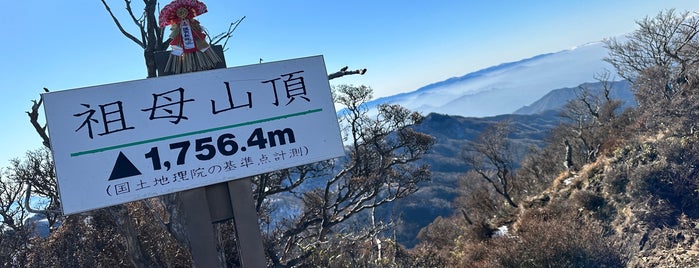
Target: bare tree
(661,59)
(590,114)
(14,233)
(36,173)
(491,157)
(665,45)
(149,37)
(12,209)
(379,169)
(668,40)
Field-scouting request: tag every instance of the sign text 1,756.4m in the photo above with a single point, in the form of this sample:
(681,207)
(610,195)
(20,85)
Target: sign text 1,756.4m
(225,144)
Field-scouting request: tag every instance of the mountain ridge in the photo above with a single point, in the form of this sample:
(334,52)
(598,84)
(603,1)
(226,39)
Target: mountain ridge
(469,75)
(557,98)
(506,87)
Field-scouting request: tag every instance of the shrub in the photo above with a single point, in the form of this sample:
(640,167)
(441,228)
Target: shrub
(557,240)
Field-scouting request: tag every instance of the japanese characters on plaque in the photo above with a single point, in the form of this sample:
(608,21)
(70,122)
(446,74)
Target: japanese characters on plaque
(127,141)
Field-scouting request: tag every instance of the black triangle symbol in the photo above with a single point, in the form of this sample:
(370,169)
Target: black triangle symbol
(123,168)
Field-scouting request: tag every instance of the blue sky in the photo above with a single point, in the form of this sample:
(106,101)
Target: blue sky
(404,44)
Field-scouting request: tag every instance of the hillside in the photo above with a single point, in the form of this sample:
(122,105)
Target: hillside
(531,127)
(641,192)
(611,187)
(452,133)
(633,204)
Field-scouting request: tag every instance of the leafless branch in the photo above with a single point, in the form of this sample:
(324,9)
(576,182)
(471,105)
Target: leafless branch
(121,28)
(378,170)
(34,119)
(490,156)
(141,23)
(225,36)
(342,72)
(29,208)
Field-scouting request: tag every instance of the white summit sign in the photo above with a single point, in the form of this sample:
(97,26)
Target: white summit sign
(133,140)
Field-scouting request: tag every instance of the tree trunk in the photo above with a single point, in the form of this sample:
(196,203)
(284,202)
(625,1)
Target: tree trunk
(122,218)
(149,56)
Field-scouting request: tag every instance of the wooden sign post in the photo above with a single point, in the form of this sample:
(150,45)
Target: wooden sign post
(247,229)
(219,203)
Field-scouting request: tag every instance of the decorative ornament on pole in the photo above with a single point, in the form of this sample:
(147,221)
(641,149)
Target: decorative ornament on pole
(190,51)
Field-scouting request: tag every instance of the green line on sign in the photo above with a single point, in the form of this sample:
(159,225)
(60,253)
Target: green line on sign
(194,132)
